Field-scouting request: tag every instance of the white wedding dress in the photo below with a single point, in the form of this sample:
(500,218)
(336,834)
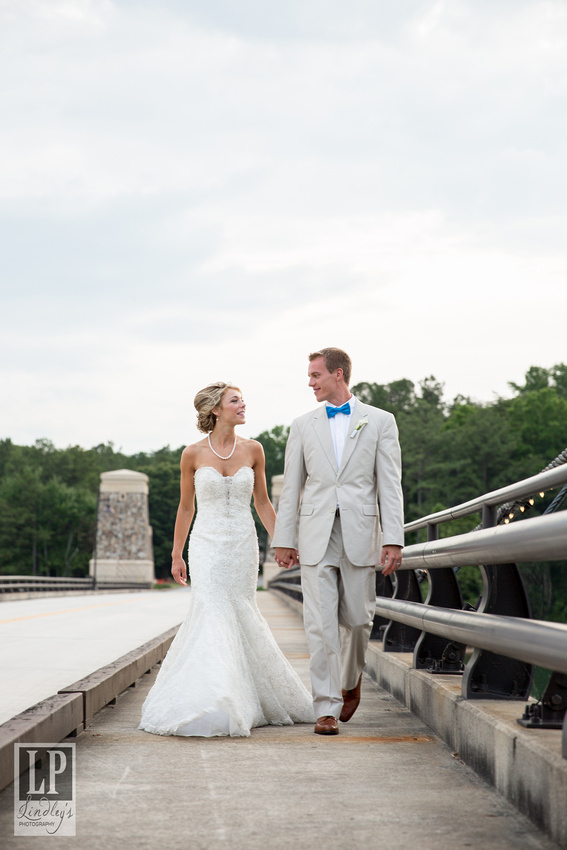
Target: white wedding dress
(224,673)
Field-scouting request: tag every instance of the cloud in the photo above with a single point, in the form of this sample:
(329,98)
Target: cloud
(188,189)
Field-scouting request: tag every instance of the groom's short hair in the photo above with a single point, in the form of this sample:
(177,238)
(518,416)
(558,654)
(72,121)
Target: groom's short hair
(335,358)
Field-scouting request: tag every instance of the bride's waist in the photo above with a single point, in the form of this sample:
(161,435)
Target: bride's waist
(216,520)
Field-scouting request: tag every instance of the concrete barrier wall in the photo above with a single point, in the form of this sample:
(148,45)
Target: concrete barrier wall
(67,712)
(53,719)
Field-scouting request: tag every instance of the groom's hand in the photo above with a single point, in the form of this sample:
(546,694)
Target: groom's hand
(286,558)
(391,559)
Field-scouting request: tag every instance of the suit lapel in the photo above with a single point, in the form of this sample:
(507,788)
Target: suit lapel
(351,442)
(321,426)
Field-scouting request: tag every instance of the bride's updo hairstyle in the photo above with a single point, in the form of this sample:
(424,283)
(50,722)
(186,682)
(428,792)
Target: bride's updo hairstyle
(205,402)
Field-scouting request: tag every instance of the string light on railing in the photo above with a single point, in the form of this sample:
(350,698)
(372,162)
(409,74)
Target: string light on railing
(505,512)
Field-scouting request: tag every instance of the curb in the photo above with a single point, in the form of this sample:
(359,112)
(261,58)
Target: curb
(67,712)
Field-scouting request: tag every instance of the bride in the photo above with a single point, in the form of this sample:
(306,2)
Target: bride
(224,673)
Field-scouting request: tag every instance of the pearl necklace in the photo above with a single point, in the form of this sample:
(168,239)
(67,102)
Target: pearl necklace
(228,457)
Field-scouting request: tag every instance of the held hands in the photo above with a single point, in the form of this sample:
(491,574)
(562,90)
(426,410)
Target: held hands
(286,558)
(179,570)
(391,559)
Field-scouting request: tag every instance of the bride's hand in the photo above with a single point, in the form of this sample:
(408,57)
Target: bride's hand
(179,570)
(286,558)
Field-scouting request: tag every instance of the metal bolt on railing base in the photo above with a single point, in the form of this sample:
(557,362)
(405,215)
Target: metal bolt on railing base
(451,662)
(551,711)
(537,716)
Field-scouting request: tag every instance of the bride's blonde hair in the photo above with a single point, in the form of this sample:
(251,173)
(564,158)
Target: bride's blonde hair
(205,402)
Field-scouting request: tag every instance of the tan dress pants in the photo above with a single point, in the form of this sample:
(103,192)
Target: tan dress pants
(339,600)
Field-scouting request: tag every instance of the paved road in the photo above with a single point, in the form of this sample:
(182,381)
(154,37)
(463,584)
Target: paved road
(50,642)
(384,783)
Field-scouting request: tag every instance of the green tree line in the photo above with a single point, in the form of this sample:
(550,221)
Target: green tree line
(452,452)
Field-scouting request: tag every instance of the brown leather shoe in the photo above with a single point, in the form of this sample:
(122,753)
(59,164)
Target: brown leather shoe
(327,725)
(351,700)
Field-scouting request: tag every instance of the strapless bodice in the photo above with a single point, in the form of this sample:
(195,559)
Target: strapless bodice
(227,495)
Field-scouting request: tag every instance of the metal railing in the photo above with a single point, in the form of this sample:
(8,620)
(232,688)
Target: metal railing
(506,641)
(13,585)
(520,490)
(533,641)
(541,538)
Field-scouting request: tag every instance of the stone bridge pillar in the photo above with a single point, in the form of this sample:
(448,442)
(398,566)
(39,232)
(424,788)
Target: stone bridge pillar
(123,550)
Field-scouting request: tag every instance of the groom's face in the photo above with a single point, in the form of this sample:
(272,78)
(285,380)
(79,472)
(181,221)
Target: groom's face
(322,382)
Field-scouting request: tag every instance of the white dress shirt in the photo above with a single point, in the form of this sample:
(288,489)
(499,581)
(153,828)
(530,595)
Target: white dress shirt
(340,428)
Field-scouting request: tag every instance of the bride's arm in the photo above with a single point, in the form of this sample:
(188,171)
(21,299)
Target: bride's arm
(185,513)
(262,503)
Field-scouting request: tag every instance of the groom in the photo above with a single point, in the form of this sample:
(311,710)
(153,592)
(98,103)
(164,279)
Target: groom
(341,483)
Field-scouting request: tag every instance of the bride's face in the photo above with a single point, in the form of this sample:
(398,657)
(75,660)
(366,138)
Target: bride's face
(232,409)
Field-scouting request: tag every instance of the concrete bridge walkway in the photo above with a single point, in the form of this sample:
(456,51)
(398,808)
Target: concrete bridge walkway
(385,782)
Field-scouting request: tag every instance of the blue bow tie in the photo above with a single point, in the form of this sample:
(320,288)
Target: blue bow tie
(332,411)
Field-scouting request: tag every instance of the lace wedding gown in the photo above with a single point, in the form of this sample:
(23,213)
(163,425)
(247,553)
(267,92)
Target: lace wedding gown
(224,673)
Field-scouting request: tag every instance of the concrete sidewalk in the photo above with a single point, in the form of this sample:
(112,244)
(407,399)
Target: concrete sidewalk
(385,782)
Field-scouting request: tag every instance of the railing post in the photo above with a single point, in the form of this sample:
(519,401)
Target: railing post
(432,652)
(384,587)
(487,675)
(397,636)
(488,516)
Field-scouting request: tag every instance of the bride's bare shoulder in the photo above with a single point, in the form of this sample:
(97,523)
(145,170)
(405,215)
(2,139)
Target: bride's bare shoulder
(255,448)
(190,455)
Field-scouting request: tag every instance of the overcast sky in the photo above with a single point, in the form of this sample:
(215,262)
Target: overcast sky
(194,191)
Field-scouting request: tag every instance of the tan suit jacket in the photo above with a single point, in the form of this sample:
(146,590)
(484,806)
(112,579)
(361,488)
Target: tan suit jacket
(367,487)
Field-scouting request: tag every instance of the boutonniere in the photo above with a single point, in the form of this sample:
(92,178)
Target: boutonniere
(359,426)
